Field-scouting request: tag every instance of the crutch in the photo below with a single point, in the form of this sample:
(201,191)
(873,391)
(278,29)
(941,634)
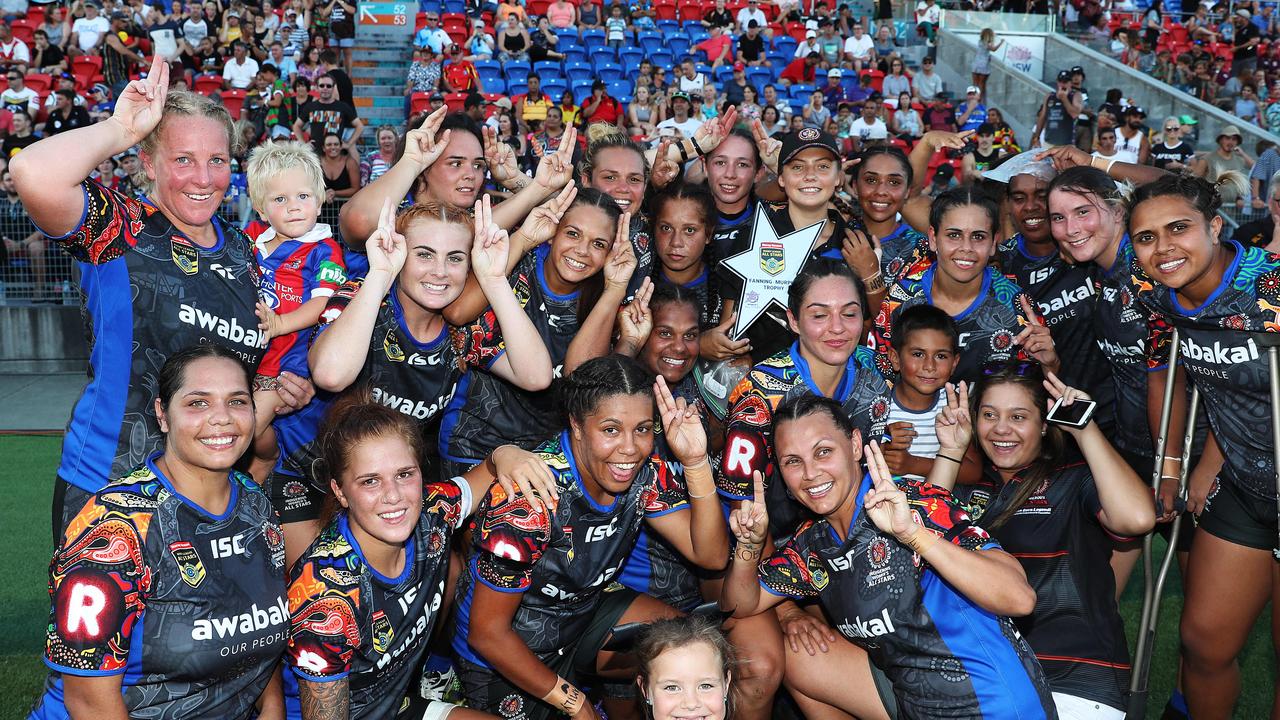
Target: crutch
(1271,342)
(1153,587)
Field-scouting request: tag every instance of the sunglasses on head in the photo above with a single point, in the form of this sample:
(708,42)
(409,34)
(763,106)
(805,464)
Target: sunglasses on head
(1014,368)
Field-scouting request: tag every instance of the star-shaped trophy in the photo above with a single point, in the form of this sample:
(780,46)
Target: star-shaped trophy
(768,268)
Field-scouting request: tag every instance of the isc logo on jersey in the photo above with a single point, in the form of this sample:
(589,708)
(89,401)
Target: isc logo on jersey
(600,532)
(227,330)
(874,627)
(1218,353)
(255,620)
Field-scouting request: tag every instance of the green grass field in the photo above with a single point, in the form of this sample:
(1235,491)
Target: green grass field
(24,516)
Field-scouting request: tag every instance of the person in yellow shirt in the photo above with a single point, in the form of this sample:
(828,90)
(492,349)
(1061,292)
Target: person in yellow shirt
(531,108)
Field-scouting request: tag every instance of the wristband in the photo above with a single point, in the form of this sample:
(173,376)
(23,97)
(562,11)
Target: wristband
(684,154)
(875,283)
(948,457)
(564,697)
(1174,458)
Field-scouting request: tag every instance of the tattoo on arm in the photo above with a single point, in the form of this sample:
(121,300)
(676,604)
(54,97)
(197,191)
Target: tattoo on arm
(324,700)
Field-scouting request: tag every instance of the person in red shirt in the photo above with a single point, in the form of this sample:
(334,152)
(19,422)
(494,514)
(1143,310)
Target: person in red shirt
(459,74)
(600,107)
(716,47)
(800,70)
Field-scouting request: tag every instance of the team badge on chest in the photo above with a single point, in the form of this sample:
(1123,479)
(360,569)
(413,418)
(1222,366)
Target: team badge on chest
(189,566)
(391,347)
(382,632)
(185,255)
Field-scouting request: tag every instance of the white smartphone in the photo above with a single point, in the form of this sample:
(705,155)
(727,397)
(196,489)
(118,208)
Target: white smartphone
(1076,415)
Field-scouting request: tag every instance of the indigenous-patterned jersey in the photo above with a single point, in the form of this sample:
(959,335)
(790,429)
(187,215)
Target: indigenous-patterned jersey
(646,253)
(350,621)
(862,392)
(770,332)
(1122,326)
(1076,629)
(1224,362)
(901,249)
(561,561)
(418,378)
(488,411)
(187,606)
(705,289)
(297,271)
(1064,295)
(945,656)
(148,291)
(987,327)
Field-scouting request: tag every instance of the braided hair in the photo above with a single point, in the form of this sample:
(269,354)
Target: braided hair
(599,379)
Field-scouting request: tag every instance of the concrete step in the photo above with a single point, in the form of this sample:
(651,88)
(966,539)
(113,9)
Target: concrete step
(391,72)
(371,56)
(391,101)
(379,90)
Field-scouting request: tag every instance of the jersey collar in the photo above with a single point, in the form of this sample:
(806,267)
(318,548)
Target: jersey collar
(847,380)
(231,501)
(567,449)
(927,282)
(857,509)
(321,231)
(1223,284)
(410,551)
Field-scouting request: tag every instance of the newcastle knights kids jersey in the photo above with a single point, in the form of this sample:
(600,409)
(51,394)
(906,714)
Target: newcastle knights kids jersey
(149,291)
(188,607)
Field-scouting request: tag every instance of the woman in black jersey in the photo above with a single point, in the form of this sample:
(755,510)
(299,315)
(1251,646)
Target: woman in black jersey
(664,336)
(534,612)
(1057,513)
(458,177)
(157,274)
(732,170)
(571,289)
(1216,293)
(365,598)
(168,588)
(906,577)
(684,217)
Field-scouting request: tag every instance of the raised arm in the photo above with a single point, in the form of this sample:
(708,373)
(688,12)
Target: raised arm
(741,593)
(48,174)
(595,333)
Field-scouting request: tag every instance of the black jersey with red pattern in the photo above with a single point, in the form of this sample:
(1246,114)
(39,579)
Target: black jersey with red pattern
(987,327)
(1075,630)
(561,561)
(148,291)
(489,411)
(946,657)
(862,392)
(350,621)
(416,377)
(1227,365)
(186,605)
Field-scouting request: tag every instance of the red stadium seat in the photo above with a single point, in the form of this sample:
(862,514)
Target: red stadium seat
(208,84)
(35,15)
(40,82)
(456,101)
(24,30)
(666,9)
(691,10)
(233,100)
(419,102)
(537,7)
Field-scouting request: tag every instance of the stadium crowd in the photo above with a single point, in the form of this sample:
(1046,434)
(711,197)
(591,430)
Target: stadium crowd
(473,408)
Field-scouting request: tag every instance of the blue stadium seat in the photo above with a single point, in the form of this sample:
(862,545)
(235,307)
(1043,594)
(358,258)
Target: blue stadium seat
(575,56)
(801,90)
(787,43)
(609,72)
(663,59)
(455,6)
(678,43)
(579,71)
(594,51)
(566,36)
(759,76)
(604,61)
(518,88)
(779,57)
(493,83)
(515,70)
(691,25)
(649,40)
(668,26)
(797,105)
(430,6)
(850,82)
(581,88)
(547,67)
(631,66)
(619,88)
(593,34)
(630,53)
(704,68)
(487,66)
(554,88)
(698,34)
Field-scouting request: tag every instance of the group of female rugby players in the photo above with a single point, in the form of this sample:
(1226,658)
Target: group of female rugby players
(516,437)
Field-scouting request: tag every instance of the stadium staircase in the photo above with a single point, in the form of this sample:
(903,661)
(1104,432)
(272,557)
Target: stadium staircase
(382,56)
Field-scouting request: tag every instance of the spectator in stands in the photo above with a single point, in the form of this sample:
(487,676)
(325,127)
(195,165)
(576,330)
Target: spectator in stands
(1244,42)
(14,53)
(54,26)
(119,56)
(616,26)
(771,99)
(1263,171)
(972,113)
(940,115)
(906,123)
(1199,27)
(643,115)
(679,118)
(829,44)
(810,45)
(927,83)
(240,69)
(896,81)
(928,16)
(286,67)
(87,32)
(737,84)
(1247,106)
(327,115)
(22,239)
(710,108)
(869,127)
(859,49)
(751,47)
(423,75)
(815,113)
(1132,144)
(641,15)
(66,115)
(984,156)
(1055,123)
(374,164)
(341,176)
(512,7)
(772,121)
(834,93)
(800,71)
(690,80)
(1171,153)
(749,106)
(22,135)
(531,107)
(459,75)
(885,46)
(751,12)
(433,37)
(562,15)
(1106,144)
(513,43)
(544,43)
(589,16)
(548,140)
(508,133)
(1227,157)
(480,44)
(720,17)
(717,48)
(17,96)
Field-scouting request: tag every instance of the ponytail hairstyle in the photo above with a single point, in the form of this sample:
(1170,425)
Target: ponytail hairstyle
(705,203)
(602,136)
(1029,376)
(821,268)
(1101,189)
(665,293)
(590,290)
(803,406)
(1198,192)
(961,196)
(599,379)
(354,418)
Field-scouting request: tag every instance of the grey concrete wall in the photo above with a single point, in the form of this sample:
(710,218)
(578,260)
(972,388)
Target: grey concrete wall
(1015,93)
(42,339)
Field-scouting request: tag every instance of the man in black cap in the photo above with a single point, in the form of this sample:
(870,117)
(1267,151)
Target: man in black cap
(1058,113)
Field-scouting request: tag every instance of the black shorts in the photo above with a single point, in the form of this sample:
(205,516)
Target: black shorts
(1239,517)
(486,690)
(295,498)
(343,29)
